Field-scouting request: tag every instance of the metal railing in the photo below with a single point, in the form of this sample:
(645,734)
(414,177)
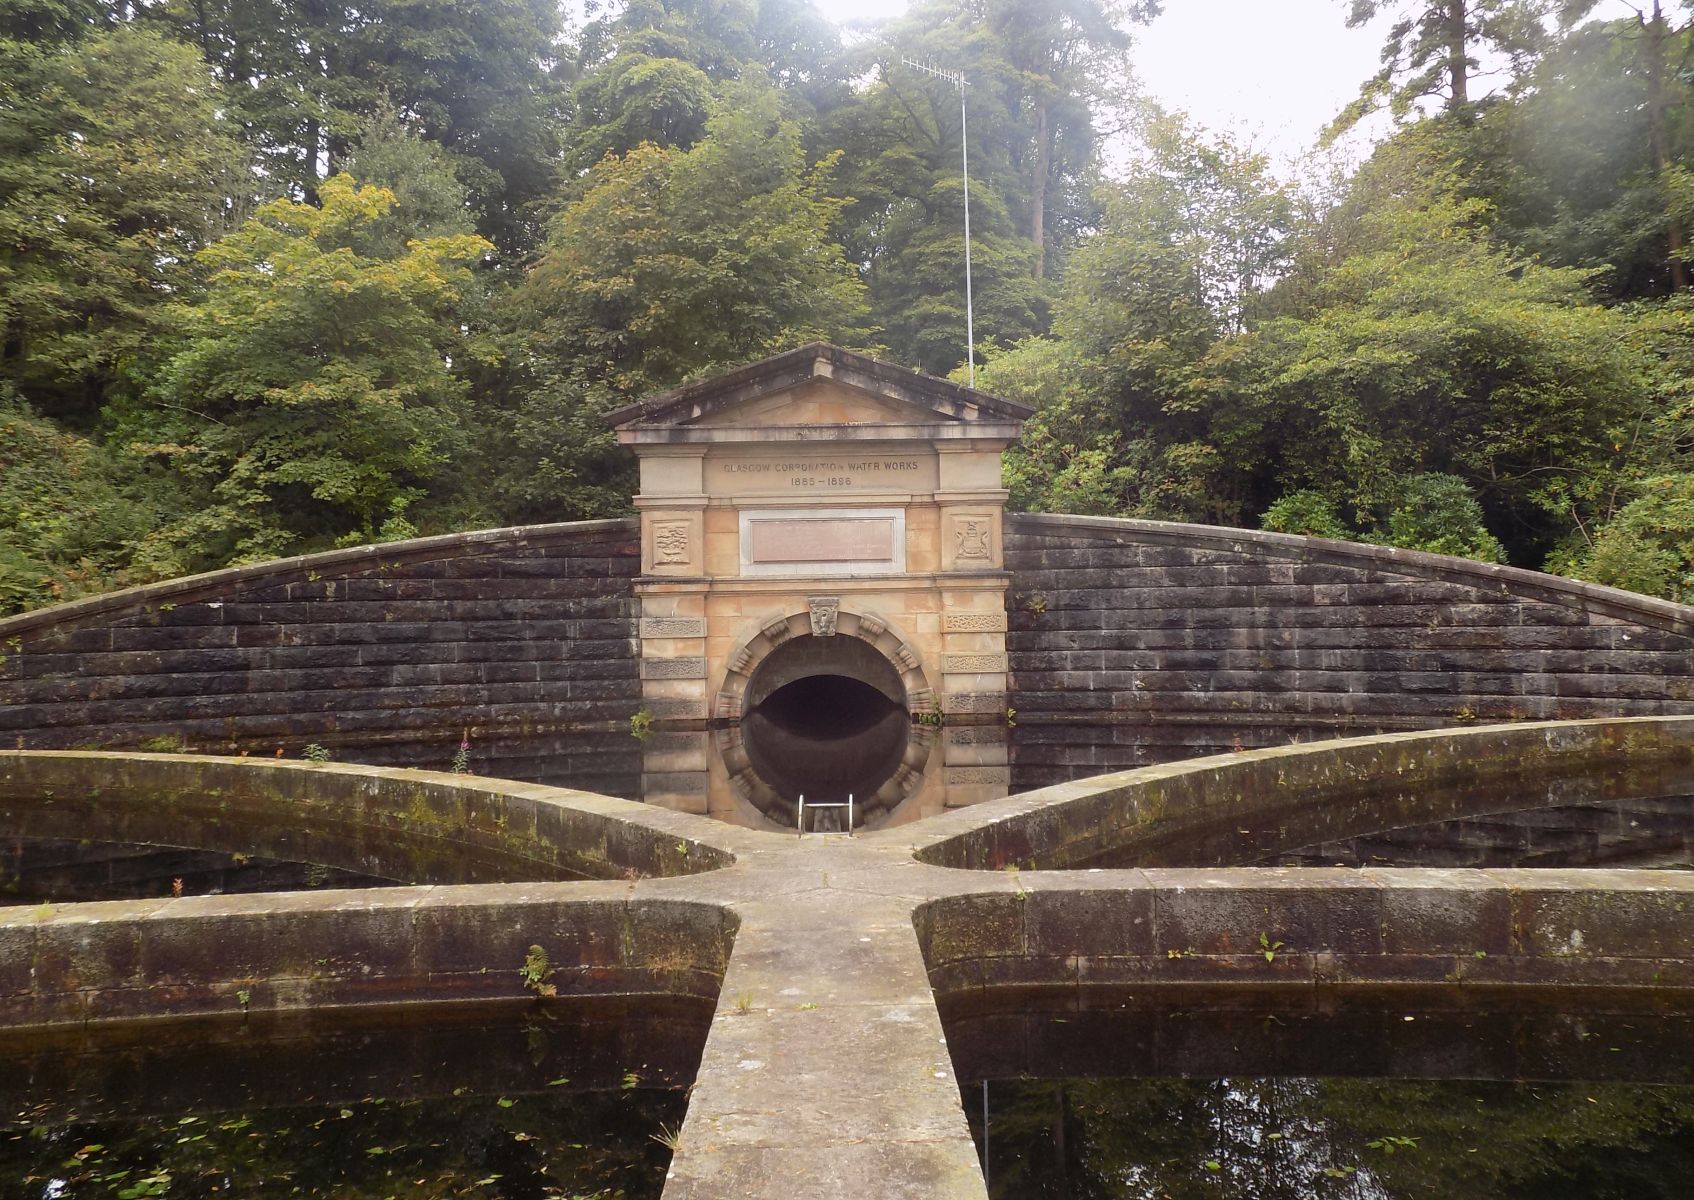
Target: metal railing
(800,812)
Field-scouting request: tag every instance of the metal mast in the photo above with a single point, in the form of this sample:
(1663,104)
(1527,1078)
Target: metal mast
(957,79)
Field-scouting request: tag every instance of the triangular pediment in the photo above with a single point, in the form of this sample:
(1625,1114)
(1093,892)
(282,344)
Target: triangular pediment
(819,402)
(818,384)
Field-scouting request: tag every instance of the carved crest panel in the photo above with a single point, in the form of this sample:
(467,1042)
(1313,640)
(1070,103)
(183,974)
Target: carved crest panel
(670,543)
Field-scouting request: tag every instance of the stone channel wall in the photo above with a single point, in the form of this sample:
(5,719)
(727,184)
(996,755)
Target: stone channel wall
(1252,637)
(524,629)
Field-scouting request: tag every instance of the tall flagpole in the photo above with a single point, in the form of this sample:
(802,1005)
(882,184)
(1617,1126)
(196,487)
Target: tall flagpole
(957,79)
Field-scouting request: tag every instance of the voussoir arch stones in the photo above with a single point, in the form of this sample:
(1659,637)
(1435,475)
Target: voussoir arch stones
(865,646)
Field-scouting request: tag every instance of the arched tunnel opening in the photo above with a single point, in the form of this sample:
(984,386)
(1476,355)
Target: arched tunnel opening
(825,717)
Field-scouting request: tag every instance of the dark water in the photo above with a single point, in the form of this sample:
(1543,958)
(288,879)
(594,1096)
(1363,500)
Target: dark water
(63,871)
(565,1101)
(1381,1098)
(1636,831)
(1611,816)
(825,743)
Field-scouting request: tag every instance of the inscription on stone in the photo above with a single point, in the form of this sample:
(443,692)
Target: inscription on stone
(673,668)
(973,702)
(840,540)
(979,775)
(826,474)
(673,627)
(975,735)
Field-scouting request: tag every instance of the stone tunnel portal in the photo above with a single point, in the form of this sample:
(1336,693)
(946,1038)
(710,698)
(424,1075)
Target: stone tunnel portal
(826,716)
(847,661)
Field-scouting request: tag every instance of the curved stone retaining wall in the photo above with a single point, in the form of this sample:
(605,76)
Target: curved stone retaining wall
(1208,637)
(1129,813)
(289,951)
(411,826)
(508,629)
(1044,926)
(1225,630)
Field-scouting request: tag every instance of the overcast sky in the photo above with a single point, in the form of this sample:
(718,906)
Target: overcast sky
(1274,70)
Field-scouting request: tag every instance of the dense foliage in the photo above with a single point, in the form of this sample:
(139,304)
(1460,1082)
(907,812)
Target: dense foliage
(278,276)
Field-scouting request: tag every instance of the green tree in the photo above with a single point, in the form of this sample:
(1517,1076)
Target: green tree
(318,391)
(1037,76)
(430,200)
(1307,513)
(652,70)
(1648,546)
(115,166)
(1070,62)
(1654,42)
(1129,414)
(1432,47)
(670,264)
(1407,339)
(303,78)
(1568,165)
(74,517)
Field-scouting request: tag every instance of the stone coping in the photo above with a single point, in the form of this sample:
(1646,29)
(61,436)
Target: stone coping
(505,826)
(1071,823)
(826,1071)
(1553,589)
(223,582)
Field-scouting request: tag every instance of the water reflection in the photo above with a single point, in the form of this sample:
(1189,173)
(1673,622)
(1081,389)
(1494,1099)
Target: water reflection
(1640,831)
(67,870)
(544,1101)
(826,742)
(1379,1096)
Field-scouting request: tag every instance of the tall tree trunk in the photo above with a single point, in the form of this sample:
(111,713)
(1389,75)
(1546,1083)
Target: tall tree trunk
(1676,239)
(1458,66)
(1038,193)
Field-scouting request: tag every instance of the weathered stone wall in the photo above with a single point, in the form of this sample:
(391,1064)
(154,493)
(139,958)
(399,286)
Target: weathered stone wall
(511,629)
(1192,638)
(1251,638)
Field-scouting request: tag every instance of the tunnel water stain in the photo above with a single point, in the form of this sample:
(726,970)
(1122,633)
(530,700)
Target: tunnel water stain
(538,1103)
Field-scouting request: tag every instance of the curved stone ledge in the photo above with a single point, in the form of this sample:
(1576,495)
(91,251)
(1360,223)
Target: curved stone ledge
(425,826)
(1315,927)
(88,963)
(1072,823)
